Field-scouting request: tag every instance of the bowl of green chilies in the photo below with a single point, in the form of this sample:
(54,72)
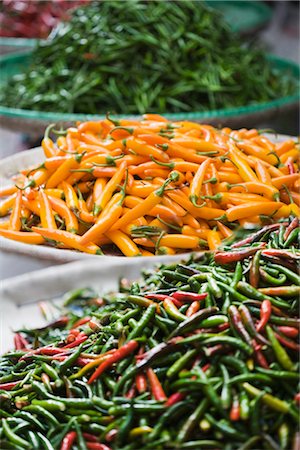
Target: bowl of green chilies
(180,59)
(196,354)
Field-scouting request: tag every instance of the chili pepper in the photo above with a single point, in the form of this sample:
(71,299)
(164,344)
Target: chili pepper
(287,342)
(237,324)
(188,296)
(235,412)
(155,386)
(192,309)
(229,257)
(12,436)
(279,351)
(265,313)
(294,223)
(290,332)
(70,360)
(190,323)
(289,273)
(282,291)
(226,392)
(255,270)
(257,235)
(143,322)
(116,356)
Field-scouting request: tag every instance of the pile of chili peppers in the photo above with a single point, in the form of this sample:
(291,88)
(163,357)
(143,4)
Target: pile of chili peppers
(197,355)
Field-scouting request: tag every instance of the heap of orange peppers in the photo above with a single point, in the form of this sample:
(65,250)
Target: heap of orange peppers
(150,187)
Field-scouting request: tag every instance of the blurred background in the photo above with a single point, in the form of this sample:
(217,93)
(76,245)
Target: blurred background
(276,27)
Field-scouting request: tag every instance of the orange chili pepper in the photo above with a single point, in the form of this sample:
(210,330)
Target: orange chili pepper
(196,184)
(105,220)
(70,196)
(46,214)
(287,180)
(123,242)
(47,143)
(199,232)
(62,209)
(9,190)
(15,217)
(213,239)
(244,170)
(225,231)
(68,240)
(249,209)
(109,188)
(63,171)
(22,236)
(143,208)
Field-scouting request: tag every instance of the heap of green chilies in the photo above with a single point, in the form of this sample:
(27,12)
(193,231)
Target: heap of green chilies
(137,56)
(198,355)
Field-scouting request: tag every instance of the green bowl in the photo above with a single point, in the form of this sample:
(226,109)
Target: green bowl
(244,16)
(34,122)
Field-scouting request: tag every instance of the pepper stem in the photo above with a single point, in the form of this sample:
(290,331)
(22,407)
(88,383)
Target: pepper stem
(173,177)
(193,200)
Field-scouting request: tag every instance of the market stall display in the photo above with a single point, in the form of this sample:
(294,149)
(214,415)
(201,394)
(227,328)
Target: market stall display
(118,56)
(212,342)
(149,187)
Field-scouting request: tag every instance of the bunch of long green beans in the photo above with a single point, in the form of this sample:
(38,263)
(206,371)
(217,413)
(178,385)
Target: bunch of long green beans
(197,355)
(135,56)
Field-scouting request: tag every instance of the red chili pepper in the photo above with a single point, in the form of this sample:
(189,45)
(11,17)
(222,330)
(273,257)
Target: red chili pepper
(20,342)
(288,343)
(90,437)
(259,356)
(97,446)
(141,383)
(121,353)
(81,321)
(9,386)
(206,367)
(297,397)
(77,342)
(131,392)
(257,235)
(68,440)
(155,385)
(271,252)
(175,398)
(193,308)
(223,326)
(294,223)
(229,257)
(111,435)
(160,297)
(265,313)
(235,411)
(290,332)
(188,296)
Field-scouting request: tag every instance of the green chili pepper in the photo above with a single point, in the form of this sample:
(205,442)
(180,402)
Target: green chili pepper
(280,353)
(14,438)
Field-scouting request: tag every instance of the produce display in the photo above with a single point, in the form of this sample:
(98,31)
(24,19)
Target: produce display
(121,56)
(18,16)
(150,187)
(198,355)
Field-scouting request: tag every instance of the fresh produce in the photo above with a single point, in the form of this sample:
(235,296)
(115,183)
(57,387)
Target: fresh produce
(137,56)
(202,354)
(33,18)
(150,187)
